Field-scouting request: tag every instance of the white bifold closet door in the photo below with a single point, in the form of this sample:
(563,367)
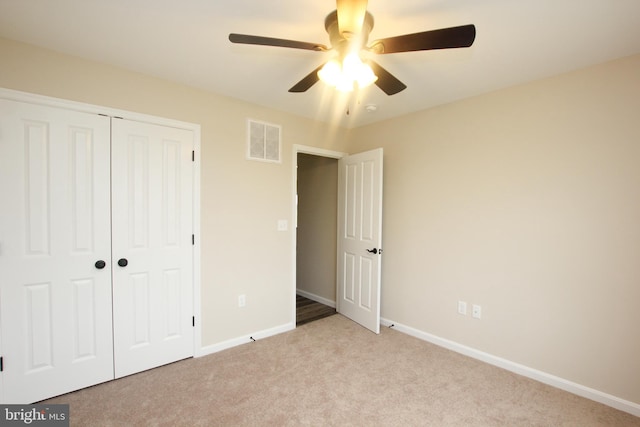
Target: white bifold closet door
(152,176)
(55,304)
(81,193)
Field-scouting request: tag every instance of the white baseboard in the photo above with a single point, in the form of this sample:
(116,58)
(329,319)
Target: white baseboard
(316,298)
(543,377)
(245,339)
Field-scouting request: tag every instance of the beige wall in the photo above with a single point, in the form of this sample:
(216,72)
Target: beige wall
(242,251)
(524,201)
(527,202)
(317,225)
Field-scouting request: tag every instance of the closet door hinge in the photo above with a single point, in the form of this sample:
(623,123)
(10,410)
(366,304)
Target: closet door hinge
(1,364)
(193,239)
(193,321)
(193,156)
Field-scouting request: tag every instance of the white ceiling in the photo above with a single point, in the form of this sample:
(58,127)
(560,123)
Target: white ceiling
(186,41)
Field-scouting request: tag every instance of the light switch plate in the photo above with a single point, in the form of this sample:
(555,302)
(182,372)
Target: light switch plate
(462,308)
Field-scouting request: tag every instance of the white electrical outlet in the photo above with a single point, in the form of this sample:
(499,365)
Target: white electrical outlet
(242,300)
(476,311)
(462,308)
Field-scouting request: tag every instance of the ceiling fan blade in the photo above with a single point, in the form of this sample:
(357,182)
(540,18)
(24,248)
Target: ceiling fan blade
(308,81)
(445,38)
(386,81)
(270,41)
(350,16)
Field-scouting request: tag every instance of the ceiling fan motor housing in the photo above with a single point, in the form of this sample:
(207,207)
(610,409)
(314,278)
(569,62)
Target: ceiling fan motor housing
(341,41)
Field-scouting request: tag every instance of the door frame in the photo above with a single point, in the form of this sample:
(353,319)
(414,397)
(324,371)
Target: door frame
(302,149)
(195,128)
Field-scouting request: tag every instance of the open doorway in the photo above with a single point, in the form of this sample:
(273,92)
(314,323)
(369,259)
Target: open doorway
(356,284)
(316,234)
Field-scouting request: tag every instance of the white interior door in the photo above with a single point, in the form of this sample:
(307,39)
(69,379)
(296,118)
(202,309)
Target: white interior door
(55,297)
(152,184)
(360,237)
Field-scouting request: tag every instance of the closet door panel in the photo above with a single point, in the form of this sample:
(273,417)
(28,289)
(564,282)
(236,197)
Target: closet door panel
(55,305)
(152,181)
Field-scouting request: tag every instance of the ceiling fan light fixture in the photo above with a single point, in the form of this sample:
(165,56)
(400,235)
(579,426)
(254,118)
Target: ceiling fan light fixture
(330,72)
(363,74)
(348,28)
(344,76)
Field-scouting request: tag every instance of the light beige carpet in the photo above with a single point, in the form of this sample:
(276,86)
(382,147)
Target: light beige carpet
(333,372)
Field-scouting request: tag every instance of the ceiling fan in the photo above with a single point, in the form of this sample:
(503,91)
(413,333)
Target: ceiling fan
(348,27)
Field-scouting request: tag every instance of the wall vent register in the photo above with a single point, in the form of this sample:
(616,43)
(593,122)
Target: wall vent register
(264,141)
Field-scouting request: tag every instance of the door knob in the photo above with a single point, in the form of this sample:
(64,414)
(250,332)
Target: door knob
(373,251)
(122,262)
(100,264)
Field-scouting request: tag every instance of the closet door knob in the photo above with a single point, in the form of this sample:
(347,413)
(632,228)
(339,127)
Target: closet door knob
(122,262)
(100,264)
